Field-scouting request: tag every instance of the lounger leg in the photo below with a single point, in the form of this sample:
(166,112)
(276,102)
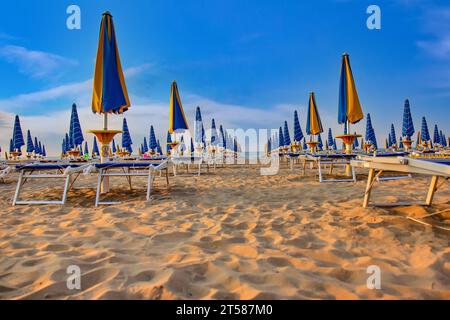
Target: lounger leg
(19,186)
(369,186)
(66,188)
(167,176)
(99,187)
(432,190)
(354,174)
(149,184)
(199,168)
(320,171)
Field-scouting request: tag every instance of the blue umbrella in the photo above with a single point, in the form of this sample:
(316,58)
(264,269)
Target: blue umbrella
(158,149)
(63,146)
(11,145)
(305,146)
(44,153)
(75,132)
(319,140)
(114,149)
(182,145)
(442,139)
(198,126)
(177,119)
(370,132)
(393,136)
(269,145)
(425,134)
(17,135)
(203,136)
(401,146)
(126,137)
(222,137)
(95,148)
(145,146)
(152,142)
(192,146)
(30,146)
(355,143)
(169,140)
(86,149)
(235,146)
(334,144)
(298,133)
(40,148)
(214,136)
(330,138)
(280,138)
(436,135)
(287,138)
(389,140)
(36,146)
(408,126)
(67,146)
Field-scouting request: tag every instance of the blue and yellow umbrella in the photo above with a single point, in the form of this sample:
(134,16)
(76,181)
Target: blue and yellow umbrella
(313,122)
(177,119)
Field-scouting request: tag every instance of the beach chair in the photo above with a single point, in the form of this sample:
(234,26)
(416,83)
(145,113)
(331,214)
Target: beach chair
(188,161)
(28,172)
(437,168)
(332,160)
(128,170)
(388,154)
(4,172)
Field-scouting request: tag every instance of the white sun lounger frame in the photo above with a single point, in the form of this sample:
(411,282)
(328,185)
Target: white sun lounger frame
(187,160)
(401,164)
(319,160)
(126,172)
(30,174)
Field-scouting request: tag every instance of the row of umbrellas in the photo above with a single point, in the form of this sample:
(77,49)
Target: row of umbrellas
(17,141)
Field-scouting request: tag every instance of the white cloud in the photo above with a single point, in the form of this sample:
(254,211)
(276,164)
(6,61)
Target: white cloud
(37,64)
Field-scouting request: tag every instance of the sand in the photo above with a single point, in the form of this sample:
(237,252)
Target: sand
(231,234)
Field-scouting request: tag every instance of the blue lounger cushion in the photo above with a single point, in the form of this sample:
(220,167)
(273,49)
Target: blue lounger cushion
(46,166)
(126,165)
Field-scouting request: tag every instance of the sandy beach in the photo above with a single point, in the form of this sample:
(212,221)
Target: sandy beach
(229,234)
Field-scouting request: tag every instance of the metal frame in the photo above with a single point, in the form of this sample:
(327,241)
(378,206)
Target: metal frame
(319,161)
(188,160)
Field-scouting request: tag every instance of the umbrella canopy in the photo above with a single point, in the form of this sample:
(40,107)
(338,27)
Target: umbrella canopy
(355,143)
(17,134)
(40,148)
(313,124)
(169,140)
(298,133)
(334,144)
(425,134)
(436,135)
(177,119)
(443,140)
(280,138)
(36,146)
(11,145)
(286,136)
(349,106)
(305,146)
(114,149)
(198,126)
(153,144)
(214,136)
(192,146)
(235,146)
(330,138)
(86,148)
(393,136)
(370,132)
(158,148)
(269,145)
(319,140)
(95,147)
(401,146)
(67,143)
(75,132)
(222,141)
(126,137)
(30,145)
(408,126)
(145,146)
(110,93)
(203,136)
(44,152)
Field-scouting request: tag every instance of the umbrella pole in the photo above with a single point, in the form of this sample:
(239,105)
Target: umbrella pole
(104,155)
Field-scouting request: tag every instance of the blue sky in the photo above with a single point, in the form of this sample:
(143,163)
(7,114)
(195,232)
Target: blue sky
(246,63)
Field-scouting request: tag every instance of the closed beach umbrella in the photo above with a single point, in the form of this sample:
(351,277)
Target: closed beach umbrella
(182,145)
(198,126)
(436,135)
(214,136)
(75,128)
(30,145)
(408,126)
(110,93)
(203,136)
(355,143)
(389,140)
(319,140)
(330,138)
(192,146)
(114,149)
(235,146)
(425,134)
(269,145)
(401,146)
(169,140)
(393,136)
(305,146)
(334,144)
(370,132)
(158,148)
(298,133)
(286,136)
(18,141)
(36,146)
(222,141)
(152,142)
(86,148)
(126,137)
(349,105)
(11,145)
(40,148)
(313,123)
(443,140)
(95,150)
(177,119)
(145,146)
(280,137)
(419,139)
(44,152)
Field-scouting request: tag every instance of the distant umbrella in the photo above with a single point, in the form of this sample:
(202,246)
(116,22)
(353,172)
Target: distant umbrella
(393,136)
(286,136)
(313,123)
(389,141)
(370,132)
(222,143)
(214,136)
(177,119)
(442,139)
(425,134)
(269,145)
(419,139)
(235,146)
(17,135)
(44,152)
(113,148)
(203,136)
(30,145)
(95,150)
(158,148)
(36,146)
(355,143)
(408,126)
(334,144)
(75,133)
(192,146)
(126,137)
(298,133)
(145,146)
(305,146)
(436,135)
(401,146)
(319,140)
(198,126)
(330,138)
(182,145)
(40,148)
(280,138)
(86,148)
(152,142)
(11,145)
(169,140)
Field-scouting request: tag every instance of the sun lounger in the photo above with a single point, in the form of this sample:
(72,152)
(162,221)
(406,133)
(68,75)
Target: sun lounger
(435,167)
(5,171)
(331,159)
(187,160)
(128,170)
(388,154)
(29,172)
